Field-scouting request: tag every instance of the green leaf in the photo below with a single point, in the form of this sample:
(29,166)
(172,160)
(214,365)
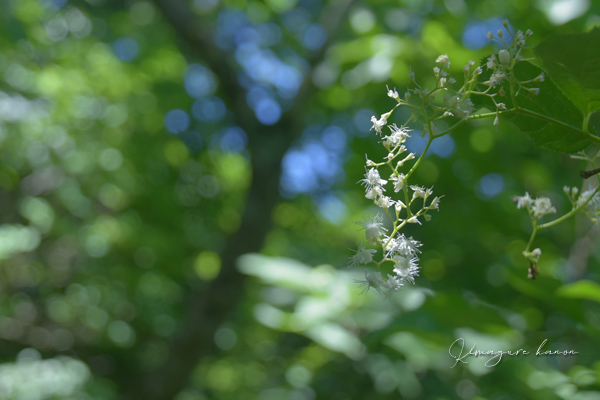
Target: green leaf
(550,103)
(571,61)
(584,289)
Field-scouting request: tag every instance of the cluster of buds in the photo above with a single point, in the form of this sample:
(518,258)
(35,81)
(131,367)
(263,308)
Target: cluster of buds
(502,66)
(588,201)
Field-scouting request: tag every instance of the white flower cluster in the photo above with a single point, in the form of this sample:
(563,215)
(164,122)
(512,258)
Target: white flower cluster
(402,251)
(538,208)
(588,199)
(396,248)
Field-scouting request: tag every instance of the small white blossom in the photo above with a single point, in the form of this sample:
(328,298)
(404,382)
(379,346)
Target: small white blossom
(418,191)
(372,179)
(491,62)
(384,202)
(435,204)
(496,79)
(372,280)
(378,124)
(393,93)
(398,136)
(443,60)
(524,201)
(406,268)
(362,256)
(373,228)
(403,246)
(414,220)
(393,284)
(374,192)
(585,196)
(399,205)
(398,182)
(542,206)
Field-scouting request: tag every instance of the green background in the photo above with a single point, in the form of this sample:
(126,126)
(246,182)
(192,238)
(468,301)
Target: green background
(152,246)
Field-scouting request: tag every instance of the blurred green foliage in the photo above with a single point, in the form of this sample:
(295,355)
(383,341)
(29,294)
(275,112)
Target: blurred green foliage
(150,249)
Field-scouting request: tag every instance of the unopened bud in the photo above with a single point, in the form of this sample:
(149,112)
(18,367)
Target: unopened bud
(499,32)
(504,57)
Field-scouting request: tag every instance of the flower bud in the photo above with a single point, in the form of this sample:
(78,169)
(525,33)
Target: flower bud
(504,57)
(499,32)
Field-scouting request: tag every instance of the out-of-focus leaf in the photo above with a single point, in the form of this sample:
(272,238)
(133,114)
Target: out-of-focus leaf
(584,289)
(571,61)
(550,102)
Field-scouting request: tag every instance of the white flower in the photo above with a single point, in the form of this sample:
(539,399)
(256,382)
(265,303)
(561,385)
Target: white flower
(372,280)
(461,107)
(384,202)
(496,78)
(406,268)
(585,196)
(398,182)
(362,256)
(393,283)
(491,62)
(378,124)
(404,246)
(398,136)
(524,201)
(393,93)
(374,228)
(375,281)
(435,204)
(414,220)
(542,206)
(372,179)
(420,191)
(443,60)
(374,192)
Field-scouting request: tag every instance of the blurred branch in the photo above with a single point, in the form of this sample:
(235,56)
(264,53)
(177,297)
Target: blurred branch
(209,305)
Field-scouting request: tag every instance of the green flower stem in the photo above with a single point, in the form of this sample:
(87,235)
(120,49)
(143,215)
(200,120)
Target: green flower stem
(535,229)
(586,120)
